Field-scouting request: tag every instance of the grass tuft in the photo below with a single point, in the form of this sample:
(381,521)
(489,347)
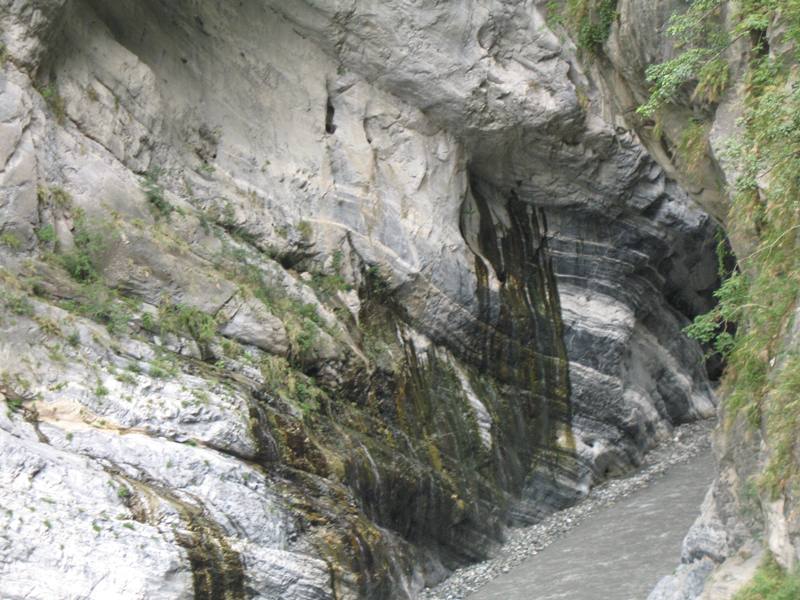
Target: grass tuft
(771,582)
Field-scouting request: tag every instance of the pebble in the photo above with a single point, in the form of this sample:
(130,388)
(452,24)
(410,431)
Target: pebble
(689,440)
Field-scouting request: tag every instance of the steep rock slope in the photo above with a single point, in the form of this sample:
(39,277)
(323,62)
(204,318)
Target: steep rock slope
(724,125)
(312,299)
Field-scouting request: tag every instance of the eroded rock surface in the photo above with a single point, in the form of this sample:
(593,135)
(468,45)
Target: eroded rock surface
(741,520)
(313,299)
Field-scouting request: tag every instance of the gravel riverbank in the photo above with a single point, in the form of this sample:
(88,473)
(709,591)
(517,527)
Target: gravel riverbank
(687,441)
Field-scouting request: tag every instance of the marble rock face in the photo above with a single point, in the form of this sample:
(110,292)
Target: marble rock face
(312,299)
(741,519)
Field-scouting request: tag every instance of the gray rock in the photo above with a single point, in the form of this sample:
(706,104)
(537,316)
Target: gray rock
(250,323)
(707,537)
(686,584)
(433,268)
(68,533)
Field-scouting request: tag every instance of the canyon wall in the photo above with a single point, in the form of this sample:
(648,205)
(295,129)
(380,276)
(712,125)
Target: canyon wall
(725,130)
(313,299)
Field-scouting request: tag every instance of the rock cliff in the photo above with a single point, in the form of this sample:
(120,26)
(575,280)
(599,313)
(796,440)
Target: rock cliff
(720,117)
(313,299)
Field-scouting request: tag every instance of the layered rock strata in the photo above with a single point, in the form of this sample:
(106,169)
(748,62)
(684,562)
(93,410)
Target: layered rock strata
(313,299)
(741,519)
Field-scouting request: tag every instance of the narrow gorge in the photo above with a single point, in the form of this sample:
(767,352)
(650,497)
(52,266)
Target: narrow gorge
(320,299)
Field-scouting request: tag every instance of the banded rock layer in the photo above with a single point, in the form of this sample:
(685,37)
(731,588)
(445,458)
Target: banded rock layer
(312,299)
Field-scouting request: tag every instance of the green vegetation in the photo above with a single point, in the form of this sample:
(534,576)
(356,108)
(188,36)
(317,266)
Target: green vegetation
(301,319)
(91,242)
(702,66)
(54,101)
(206,169)
(327,284)
(305,230)
(48,326)
(101,304)
(125,378)
(712,81)
(291,385)
(589,20)
(11,240)
(46,234)
(555,14)
(134,368)
(187,321)
(782,414)
(693,146)
(14,404)
(758,298)
(16,390)
(74,339)
(377,285)
(17,304)
(703,40)
(227,220)
(230,348)
(302,331)
(59,197)
(771,582)
(162,368)
(159,205)
(201,396)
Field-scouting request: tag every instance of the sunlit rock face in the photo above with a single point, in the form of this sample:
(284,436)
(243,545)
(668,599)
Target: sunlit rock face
(305,300)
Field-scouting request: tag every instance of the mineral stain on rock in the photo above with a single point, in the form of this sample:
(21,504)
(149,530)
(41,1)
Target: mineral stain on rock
(217,570)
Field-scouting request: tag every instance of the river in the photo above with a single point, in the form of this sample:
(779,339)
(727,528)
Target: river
(621,551)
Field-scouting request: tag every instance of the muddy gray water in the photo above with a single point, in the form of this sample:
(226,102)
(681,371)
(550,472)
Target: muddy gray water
(621,551)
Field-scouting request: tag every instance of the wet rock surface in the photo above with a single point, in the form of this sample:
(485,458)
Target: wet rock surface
(338,292)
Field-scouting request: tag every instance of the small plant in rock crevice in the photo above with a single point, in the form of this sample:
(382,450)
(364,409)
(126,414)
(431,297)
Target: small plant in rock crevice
(102,304)
(10,240)
(17,304)
(46,234)
(154,192)
(305,230)
(282,380)
(589,20)
(759,298)
(771,582)
(54,101)
(183,320)
(16,390)
(91,240)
